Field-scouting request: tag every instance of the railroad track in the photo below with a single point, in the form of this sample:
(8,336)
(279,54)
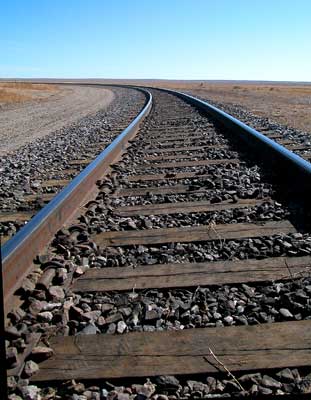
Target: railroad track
(185,272)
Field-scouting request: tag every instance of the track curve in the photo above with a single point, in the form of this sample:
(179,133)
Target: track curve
(192,259)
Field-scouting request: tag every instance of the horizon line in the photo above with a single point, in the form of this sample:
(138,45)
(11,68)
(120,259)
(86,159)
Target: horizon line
(157,79)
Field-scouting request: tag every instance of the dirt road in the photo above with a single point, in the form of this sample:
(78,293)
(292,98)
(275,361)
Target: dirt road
(23,122)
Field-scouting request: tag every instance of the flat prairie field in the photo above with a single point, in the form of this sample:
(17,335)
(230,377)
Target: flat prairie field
(20,92)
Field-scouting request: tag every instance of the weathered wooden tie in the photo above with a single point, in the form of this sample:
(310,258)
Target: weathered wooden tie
(184,207)
(298,147)
(182,143)
(185,156)
(158,190)
(166,176)
(45,197)
(160,276)
(80,162)
(182,164)
(285,142)
(16,216)
(176,138)
(178,135)
(55,183)
(193,233)
(184,148)
(272,135)
(184,352)
(71,171)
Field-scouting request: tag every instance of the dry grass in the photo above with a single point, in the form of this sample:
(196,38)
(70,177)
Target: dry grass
(28,86)
(6,96)
(19,92)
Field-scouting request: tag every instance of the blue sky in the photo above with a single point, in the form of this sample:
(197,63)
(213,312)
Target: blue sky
(165,39)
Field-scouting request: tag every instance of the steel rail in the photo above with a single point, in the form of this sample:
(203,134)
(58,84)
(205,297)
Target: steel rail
(290,168)
(19,252)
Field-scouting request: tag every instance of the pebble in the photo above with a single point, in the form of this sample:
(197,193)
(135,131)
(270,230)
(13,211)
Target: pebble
(57,293)
(11,356)
(14,397)
(40,353)
(167,382)
(286,313)
(12,332)
(90,329)
(30,368)
(264,390)
(229,320)
(45,316)
(113,318)
(11,383)
(31,392)
(267,381)
(121,327)
(286,375)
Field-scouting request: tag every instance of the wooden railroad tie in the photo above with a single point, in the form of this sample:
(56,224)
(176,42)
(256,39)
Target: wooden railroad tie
(298,147)
(183,207)
(184,352)
(160,276)
(176,135)
(193,233)
(181,164)
(156,190)
(165,176)
(284,142)
(55,183)
(44,197)
(182,143)
(202,154)
(80,162)
(185,148)
(16,216)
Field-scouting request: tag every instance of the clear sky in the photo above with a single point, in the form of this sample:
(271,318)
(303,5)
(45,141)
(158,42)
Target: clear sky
(165,39)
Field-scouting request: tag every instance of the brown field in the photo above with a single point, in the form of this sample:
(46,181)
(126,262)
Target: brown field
(19,92)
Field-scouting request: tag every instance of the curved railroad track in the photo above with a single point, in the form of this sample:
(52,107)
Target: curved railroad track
(177,264)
